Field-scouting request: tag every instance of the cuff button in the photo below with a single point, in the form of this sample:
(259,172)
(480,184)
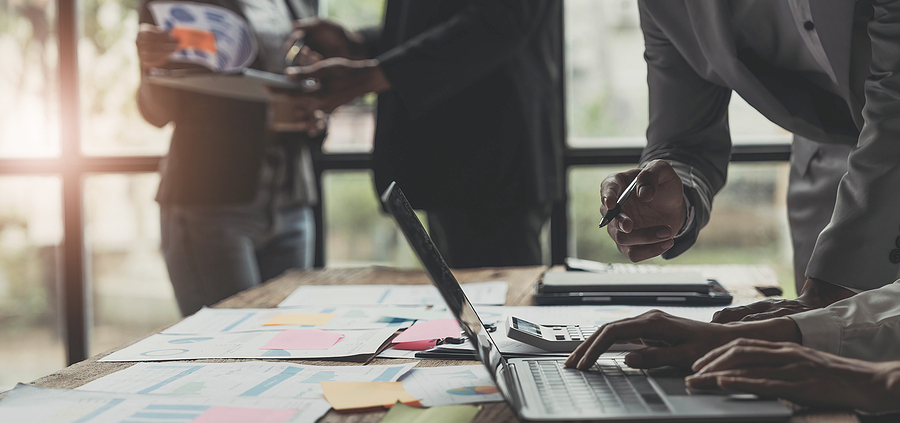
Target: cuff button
(895,256)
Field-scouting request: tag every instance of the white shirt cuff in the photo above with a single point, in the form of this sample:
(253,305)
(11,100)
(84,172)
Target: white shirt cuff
(820,330)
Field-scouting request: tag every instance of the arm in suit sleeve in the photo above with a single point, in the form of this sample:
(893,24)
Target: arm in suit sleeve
(865,326)
(688,126)
(860,248)
(436,64)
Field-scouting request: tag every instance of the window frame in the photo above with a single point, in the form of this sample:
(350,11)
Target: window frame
(72,166)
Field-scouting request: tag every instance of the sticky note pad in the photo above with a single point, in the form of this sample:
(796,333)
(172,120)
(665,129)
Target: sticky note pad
(300,319)
(351,395)
(241,415)
(303,339)
(458,413)
(432,329)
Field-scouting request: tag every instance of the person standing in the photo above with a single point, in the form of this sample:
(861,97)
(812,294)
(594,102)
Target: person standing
(470,119)
(235,199)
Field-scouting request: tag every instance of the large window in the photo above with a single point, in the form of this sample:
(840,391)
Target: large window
(80,266)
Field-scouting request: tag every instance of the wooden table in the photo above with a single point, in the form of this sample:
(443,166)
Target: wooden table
(521,282)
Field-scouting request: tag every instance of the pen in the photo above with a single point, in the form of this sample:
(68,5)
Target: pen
(613,212)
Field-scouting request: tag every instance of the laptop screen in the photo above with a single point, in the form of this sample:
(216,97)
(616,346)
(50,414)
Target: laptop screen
(440,275)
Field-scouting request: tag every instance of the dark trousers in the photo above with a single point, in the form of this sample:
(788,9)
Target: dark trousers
(489,237)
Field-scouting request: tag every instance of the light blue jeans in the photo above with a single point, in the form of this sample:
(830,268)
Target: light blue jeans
(213,252)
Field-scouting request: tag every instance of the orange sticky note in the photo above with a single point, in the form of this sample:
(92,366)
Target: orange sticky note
(190,38)
(353,395)
(300,319)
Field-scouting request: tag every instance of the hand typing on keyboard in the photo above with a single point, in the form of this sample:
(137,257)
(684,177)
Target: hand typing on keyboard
(674,341)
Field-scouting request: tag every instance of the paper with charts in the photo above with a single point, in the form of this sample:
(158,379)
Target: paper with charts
(245,379)
(31,404)
(163,347)
(486,293)
(208,35)
(451,385)
(219,320)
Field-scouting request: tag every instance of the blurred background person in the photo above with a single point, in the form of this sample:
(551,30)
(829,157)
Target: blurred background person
(470,118)
(235,199)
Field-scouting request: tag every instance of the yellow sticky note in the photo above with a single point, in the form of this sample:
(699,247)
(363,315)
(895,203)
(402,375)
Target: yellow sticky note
(300,319)
(440,414)
(351,395)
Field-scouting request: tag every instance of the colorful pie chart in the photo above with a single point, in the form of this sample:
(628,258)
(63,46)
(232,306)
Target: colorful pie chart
(473,390)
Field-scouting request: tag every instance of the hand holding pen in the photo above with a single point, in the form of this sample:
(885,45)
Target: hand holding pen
(643,209)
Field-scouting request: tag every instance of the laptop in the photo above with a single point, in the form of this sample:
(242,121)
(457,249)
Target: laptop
(542,389)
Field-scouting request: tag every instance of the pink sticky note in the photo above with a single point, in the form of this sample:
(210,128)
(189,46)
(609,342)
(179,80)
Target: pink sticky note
(241,415)
(431,329)
(303,339)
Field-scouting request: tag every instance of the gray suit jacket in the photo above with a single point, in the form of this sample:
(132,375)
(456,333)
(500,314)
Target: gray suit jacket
(693,66)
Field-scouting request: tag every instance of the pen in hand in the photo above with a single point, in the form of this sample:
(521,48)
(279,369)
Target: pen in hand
(613,212)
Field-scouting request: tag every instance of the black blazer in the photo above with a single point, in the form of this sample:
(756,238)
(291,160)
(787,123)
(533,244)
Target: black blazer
(475,115)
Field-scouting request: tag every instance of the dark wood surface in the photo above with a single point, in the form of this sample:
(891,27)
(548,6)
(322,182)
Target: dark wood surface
(742,280)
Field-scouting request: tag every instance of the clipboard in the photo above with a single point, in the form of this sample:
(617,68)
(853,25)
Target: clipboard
(248,84)
(588,288)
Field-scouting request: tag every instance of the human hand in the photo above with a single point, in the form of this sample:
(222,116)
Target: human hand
(675,341)
(646,225)
(154,46)
(338,81)
(800,375)
(815,294)
(329,39)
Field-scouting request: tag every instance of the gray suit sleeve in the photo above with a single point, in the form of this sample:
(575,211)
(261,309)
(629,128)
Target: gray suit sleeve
(865,326)
(860,248)
(688,126)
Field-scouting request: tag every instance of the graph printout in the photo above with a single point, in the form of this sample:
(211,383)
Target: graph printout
(31,404)
(246,379)
(451,385)
(211,320)
(486,293)
(167,347)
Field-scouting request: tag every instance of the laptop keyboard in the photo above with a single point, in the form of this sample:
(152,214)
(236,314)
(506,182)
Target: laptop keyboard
(605,388)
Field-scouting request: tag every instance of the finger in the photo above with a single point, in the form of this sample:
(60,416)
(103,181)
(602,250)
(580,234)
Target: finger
(638,253)
(733,314)
(642,236)
(305,24)
(654,174)
(717,352)
(612,187)
(752,356)
(651,325)
(650,357)
(710,380)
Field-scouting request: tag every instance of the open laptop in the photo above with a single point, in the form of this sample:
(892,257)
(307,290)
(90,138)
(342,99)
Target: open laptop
(542,389)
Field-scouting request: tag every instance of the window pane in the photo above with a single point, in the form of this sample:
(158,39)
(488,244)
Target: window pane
(31,229)
(29,113)
(357,232)
(111,123)
(748,224)
(606,79)
(351,129)
(353,14)
(130,285)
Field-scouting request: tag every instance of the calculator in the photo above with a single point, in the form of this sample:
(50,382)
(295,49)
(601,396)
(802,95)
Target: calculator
(553,338)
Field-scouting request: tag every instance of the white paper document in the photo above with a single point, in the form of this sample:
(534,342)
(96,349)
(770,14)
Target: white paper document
(208,35)
(485,293)
(246,379)
(451,385)
(163,347)
(219,320)
(31,404)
